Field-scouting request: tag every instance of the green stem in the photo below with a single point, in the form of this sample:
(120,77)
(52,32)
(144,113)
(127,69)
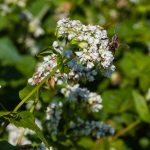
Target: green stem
(31,110)
(125,130)
(106,143)
(25,99)
(20,137)
(35,102)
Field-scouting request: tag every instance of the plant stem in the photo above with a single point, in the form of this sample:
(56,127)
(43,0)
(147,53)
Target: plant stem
(25,99)
(125,130)
(31,110)
(21,136)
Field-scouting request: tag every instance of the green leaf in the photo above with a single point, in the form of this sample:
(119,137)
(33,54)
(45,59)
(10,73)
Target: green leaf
(129,66)
(141,107)
(3,21)
(10,56)
(87,143)
(115,101)
(26,65)
(60,61)
(144,82)
(25,91)
(26,119)
(8,52)
(119,145)
(36,7)
(45,52)
(83,44)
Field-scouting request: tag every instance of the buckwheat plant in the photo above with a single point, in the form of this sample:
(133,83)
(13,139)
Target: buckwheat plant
(78,55)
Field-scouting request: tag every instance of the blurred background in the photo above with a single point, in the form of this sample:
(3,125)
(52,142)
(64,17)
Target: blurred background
(26,27)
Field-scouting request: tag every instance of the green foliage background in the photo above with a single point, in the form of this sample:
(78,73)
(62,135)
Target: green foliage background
(125,95)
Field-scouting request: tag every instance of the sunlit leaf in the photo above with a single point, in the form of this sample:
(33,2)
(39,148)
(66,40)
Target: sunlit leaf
(25,91)
(141,107)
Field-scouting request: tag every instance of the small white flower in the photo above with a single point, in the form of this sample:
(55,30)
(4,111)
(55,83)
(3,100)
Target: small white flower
(80,38)
(79,53)
(90,40)
(30,81)
(85,37)
(90,64)
(43,69)
(71,36)
(107,58)
(92,28)
(104,34)
(55,44)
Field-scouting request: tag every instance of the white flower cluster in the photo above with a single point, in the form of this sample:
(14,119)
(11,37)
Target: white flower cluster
(90,99)
(78,72)
(87,51)
(43,69)
(92,41)
(96,129)
(92,51)
(53,116)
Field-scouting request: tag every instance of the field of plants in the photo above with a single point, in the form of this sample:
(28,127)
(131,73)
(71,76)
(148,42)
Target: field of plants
(74,75)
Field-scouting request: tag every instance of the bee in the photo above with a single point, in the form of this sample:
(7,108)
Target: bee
(114,43)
